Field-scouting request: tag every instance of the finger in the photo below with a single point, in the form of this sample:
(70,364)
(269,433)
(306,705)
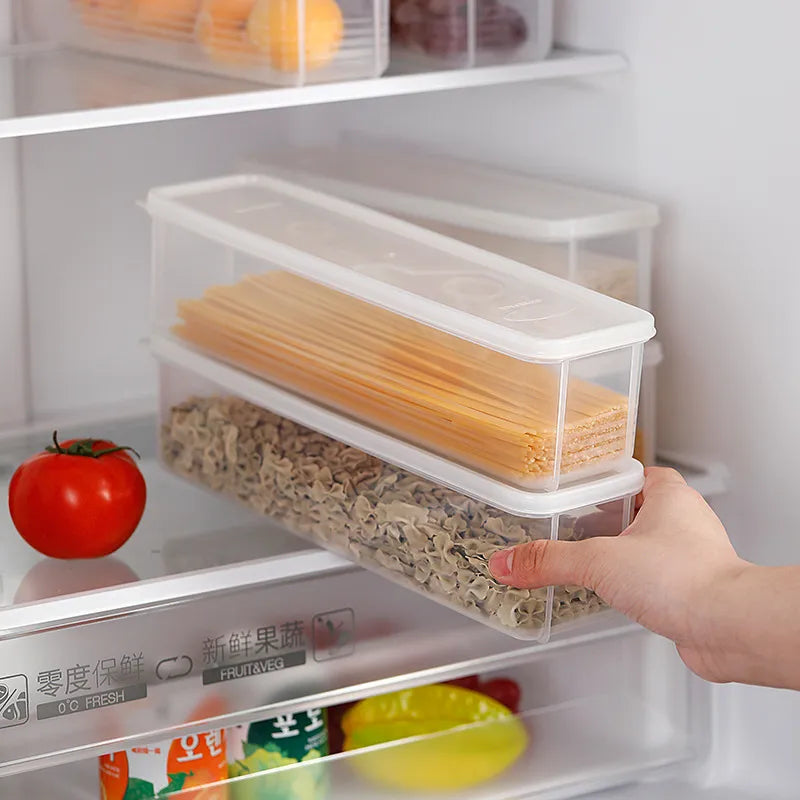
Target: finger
(544,562)
(656,478)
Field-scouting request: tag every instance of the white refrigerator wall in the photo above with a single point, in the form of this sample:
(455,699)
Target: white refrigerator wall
(706,123)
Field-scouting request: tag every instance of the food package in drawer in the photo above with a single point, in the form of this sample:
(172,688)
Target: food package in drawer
(405,527)
(600,240)
(477,362)
(278,42)
(470,33)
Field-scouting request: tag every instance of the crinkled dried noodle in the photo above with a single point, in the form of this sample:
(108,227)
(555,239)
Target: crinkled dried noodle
(428,536)
(486,409)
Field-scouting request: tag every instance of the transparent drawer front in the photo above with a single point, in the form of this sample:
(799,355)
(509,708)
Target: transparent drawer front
(237,656)
(560,743)
(468,33)
(522,755)
(287,42)
(409,529)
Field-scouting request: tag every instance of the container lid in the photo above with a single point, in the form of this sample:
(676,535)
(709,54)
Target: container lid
(402,179)
(435,280)
(625,477)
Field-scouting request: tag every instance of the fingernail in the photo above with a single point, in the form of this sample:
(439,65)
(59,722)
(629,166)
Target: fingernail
(501,564)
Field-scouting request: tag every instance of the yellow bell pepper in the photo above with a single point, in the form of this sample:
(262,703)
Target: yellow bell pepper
(457,738)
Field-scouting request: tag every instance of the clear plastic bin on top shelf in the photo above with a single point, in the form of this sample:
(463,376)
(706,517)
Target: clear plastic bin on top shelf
(410,529)
(457,364)
(602,241)
(257,40)
(470,33)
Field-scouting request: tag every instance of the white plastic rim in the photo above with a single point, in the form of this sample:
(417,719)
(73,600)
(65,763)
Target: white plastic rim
(542,299)
(628,478)
(400,178)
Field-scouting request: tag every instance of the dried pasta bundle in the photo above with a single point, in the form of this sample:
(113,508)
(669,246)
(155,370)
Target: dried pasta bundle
(476,405)
(419,533)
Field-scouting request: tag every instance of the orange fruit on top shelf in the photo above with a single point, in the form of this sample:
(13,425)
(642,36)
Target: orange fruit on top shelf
(107,14)
(222,30)
(273,28)
(232,11)
(170,19)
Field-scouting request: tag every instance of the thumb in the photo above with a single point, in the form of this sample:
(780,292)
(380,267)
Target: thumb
(543,562)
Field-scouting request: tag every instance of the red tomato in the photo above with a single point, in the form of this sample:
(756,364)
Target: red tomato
(49,578)
(504,690)
(335,733)
(471,682)
(80,499)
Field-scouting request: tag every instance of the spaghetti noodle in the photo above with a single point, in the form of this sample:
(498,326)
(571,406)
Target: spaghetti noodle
(478,406)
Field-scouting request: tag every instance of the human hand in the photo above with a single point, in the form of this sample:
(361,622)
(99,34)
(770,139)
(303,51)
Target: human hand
(673,570)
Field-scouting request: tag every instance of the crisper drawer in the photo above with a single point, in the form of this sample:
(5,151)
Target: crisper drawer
(246,653)
(578,730)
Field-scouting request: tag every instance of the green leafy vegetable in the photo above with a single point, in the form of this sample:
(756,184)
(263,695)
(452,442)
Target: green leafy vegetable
(139,790)
(250,749)
(176,783)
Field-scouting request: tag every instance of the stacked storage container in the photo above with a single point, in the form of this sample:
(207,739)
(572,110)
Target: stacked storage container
(402,398)
(602,241)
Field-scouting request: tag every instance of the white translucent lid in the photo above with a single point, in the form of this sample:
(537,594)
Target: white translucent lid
(401,179)
(451,286)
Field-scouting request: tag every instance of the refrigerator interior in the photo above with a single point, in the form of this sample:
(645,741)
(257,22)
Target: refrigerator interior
(699,124)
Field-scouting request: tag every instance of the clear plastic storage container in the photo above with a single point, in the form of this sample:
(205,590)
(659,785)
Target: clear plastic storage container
(599,240)
(469,33)
(258,40)
(646,429)
(407,528)
(427,352)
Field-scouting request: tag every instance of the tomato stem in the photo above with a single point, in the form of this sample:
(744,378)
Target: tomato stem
(84,447)
(56,446)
